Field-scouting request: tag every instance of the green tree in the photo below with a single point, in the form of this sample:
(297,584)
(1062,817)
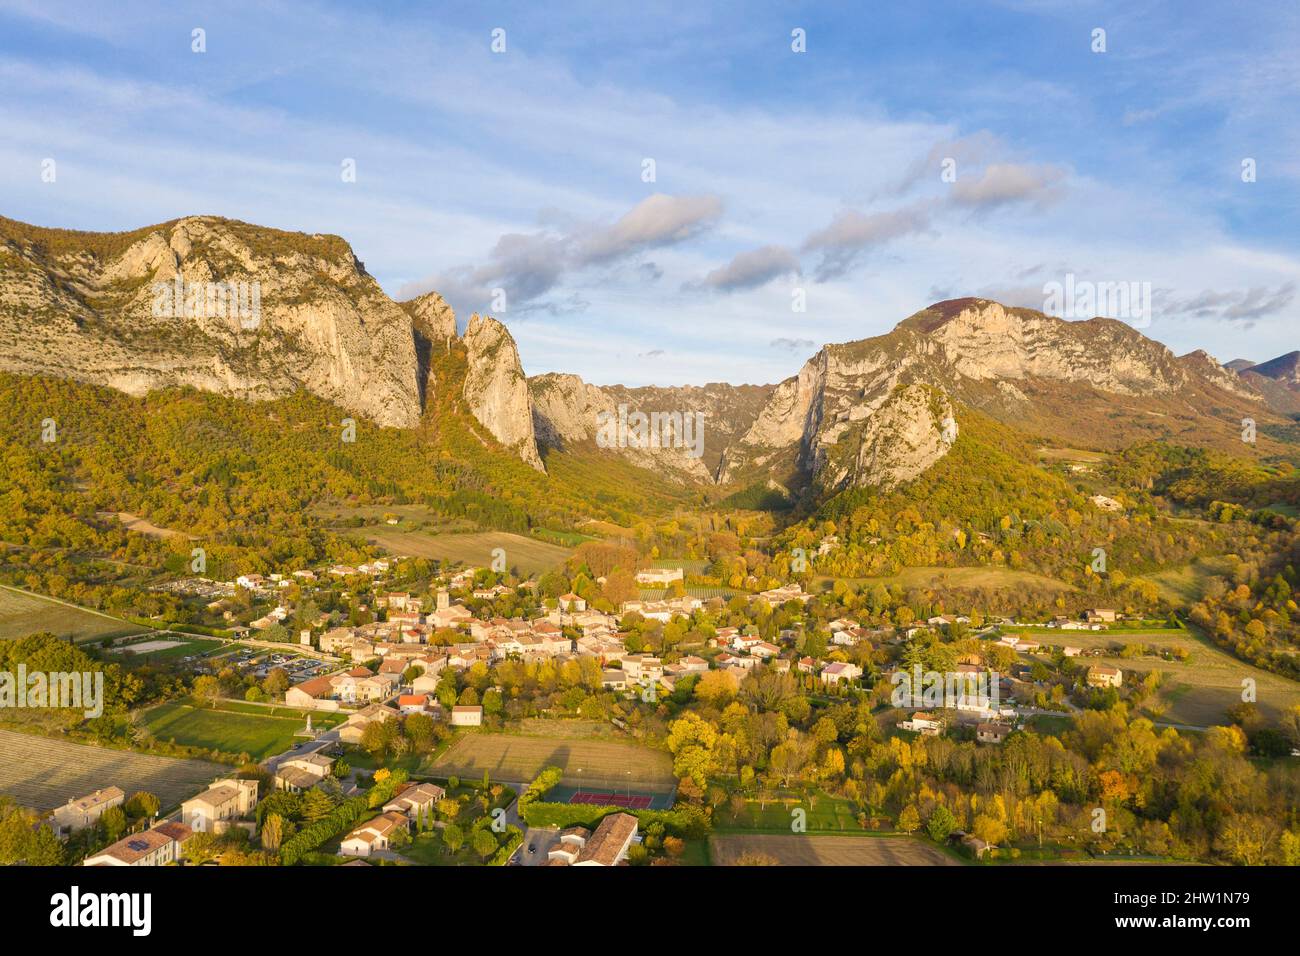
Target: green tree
(940,824)
(453,836)
(484,842)
(316,805)
(142,804)
(207,688)
(113,820)
(277,682)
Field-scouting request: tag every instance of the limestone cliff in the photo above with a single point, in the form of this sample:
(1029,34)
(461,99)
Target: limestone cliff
(1099,383)
(699,421)
(218,305)
(495,388)
(257,313)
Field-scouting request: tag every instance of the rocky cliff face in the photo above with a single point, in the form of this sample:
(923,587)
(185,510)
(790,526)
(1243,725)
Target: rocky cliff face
(495,388)
(696,423)
(214,304)
(433,317)
(256,313)
(433,326)
(911,430)
(1099,383)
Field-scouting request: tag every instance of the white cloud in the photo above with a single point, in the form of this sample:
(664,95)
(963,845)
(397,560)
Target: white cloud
(752,268)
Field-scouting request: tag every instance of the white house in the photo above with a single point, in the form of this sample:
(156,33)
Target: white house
(374,834)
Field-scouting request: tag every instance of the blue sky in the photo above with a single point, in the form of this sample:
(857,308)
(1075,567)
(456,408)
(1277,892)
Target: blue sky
(777,174)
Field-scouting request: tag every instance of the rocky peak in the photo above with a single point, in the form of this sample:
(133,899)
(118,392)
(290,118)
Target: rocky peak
(495,388)
(983,340)
(1054,377)
(1278,380)
(1205,365)
(433,316)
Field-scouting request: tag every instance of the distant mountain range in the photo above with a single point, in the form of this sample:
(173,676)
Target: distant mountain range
(1278,380)
(135,311)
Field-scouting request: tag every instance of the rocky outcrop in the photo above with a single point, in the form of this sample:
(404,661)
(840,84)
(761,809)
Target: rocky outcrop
(1203,364)
(257,313)
(1097,382)
(910,431)
(434,317)
(979,340)
(495,388)
(218,305)
(690,426)
(433,326)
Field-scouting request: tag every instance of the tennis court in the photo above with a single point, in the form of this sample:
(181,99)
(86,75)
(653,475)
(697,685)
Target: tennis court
(630,799)
(634,802)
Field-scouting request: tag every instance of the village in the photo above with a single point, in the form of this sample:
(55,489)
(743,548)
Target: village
(365,678)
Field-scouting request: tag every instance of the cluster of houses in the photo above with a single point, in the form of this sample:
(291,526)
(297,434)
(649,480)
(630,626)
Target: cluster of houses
(412,802)
(1093,619)
(227,803)
(231,802)
(932,724)
(402,644)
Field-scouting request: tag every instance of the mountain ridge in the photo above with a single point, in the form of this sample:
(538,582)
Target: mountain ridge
(869,411)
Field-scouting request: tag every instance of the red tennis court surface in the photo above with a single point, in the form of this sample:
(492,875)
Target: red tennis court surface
(633,802)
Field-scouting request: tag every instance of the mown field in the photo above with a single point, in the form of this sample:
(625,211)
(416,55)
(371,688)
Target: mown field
(820,813)
(1071,454)
(817,850)
(586,763)
(43,773)
(937,578)
(704,593)
(142,526)
(527,554)
(234,728)
(1185,585)
(22,613)
(181,646)
(1196,691)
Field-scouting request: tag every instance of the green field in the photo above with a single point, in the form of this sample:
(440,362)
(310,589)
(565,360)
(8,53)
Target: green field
(703,593)
(822,813)
(234,728)
(1196,691)
(23,613)
(527,554)
(1185,585)
(689,565)
(1049,725)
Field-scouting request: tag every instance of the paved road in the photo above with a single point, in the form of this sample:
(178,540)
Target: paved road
(326,739)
